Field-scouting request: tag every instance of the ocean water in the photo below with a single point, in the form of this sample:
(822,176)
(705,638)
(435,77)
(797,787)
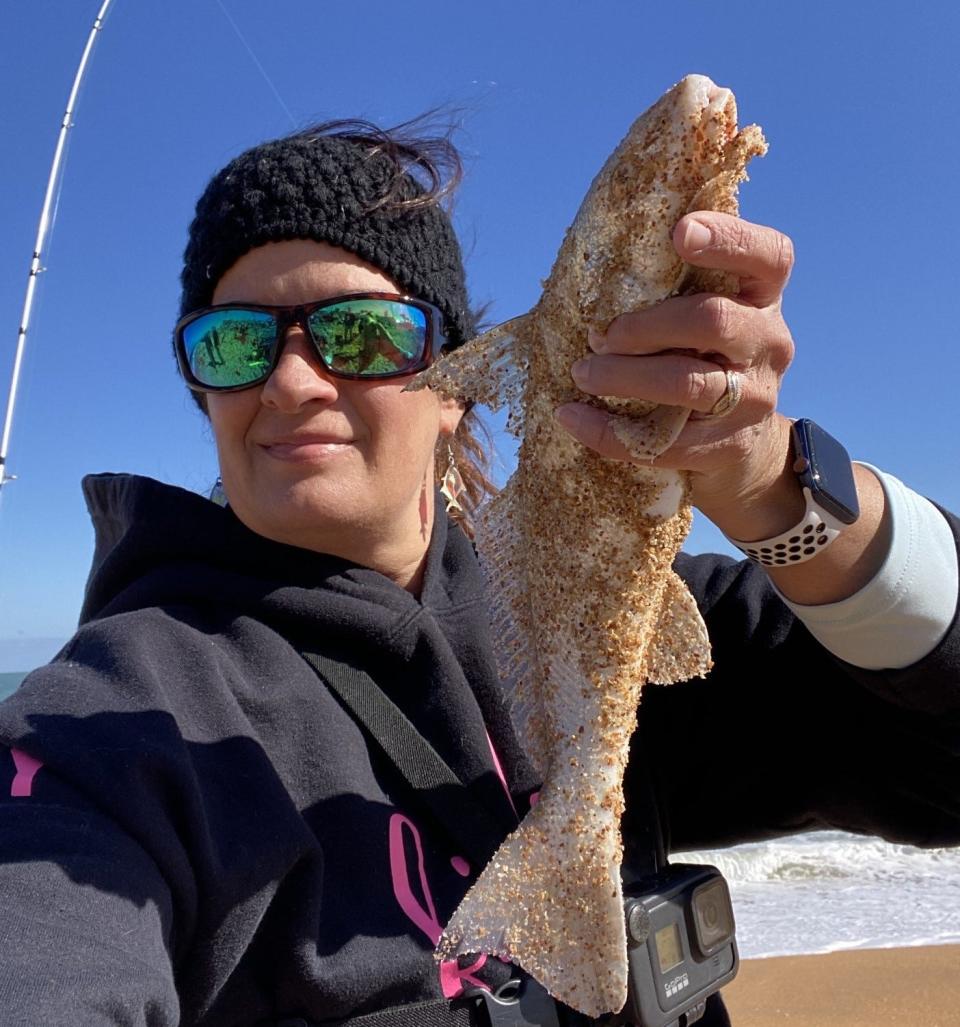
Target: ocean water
(828,890)
(9,682)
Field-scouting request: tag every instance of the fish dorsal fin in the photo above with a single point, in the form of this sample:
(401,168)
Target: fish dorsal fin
(490,369)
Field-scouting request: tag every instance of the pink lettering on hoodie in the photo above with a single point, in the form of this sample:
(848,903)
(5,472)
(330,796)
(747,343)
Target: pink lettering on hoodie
(22,785)
(421,910)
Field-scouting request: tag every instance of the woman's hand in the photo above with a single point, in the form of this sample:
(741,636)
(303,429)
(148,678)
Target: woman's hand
(677,352)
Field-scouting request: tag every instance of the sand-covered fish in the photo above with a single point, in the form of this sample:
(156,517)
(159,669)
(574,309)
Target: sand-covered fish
(578,549)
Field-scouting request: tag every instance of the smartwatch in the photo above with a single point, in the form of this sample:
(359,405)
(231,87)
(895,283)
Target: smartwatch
(825,475)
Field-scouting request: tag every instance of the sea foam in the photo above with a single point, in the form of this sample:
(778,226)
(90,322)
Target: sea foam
(828,890)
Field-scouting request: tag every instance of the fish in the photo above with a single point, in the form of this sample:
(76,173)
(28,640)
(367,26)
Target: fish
(578,549)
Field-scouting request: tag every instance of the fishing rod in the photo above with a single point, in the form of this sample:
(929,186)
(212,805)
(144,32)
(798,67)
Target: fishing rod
(42,230)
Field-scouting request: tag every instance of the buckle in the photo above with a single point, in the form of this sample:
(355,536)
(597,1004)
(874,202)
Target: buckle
(520,1002)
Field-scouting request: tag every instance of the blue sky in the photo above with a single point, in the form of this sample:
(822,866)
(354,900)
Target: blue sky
(857,100)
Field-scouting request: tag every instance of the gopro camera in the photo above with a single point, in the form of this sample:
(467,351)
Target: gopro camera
(680,950)
(681,946)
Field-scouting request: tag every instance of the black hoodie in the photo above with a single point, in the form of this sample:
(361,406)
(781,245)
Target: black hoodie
(194,831)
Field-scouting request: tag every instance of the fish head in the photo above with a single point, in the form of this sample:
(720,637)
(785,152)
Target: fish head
(618,254)
(684,153)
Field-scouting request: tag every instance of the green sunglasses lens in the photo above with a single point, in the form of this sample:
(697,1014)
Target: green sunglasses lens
(230,348)
(369,336)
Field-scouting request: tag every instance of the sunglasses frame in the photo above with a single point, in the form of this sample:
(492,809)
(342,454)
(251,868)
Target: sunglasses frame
(287,316)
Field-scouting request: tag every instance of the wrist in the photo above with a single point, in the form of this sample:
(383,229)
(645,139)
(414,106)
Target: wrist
(825,476)
(851,561)
(842,535)
(766,501)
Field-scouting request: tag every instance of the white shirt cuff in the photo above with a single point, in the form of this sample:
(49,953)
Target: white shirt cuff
(902,614)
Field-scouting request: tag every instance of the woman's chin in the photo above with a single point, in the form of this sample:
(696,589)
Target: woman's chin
(311,513)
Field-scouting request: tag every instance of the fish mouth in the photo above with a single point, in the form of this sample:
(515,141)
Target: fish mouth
(720,101)
(713,109)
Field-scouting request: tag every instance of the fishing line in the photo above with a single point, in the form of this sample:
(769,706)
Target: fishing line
(260,67)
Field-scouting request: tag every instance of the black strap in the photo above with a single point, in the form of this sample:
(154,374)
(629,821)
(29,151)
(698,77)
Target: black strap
(644,854)
(519,1003)
(435,1013)
(421,766)
(473,829)
(439,788)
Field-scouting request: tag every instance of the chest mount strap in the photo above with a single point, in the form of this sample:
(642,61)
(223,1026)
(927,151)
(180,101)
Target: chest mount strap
(518,1003)
(521,1001)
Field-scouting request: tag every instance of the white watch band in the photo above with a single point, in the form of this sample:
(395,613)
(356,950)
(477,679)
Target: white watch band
(802,542)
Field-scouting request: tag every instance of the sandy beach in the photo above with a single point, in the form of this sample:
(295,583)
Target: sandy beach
(904,987)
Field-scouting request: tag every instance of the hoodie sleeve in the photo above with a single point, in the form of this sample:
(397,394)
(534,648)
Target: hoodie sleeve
(94,875)
(782,736)
(85,910)
(145,832)
(97,887)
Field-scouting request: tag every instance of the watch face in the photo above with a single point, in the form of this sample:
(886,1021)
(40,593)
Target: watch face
(823,465)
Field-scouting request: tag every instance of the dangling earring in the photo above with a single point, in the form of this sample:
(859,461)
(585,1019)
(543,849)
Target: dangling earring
(217,495)
(424,516)
(451,488)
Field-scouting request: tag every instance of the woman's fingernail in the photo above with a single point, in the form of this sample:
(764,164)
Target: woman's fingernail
(596,340)
(568,416)
(696,236)
(581,372)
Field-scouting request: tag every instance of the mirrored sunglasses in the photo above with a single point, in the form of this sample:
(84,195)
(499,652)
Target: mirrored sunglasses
(362,336)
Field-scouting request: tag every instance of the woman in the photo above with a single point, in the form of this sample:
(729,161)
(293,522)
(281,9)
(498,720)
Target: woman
(195,829)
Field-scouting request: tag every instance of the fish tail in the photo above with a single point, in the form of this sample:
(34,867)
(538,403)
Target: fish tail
(557,874)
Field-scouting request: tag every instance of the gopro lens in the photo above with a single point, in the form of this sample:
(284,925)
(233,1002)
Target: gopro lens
(712,915)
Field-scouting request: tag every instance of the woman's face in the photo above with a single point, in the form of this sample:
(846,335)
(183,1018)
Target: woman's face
(341,467)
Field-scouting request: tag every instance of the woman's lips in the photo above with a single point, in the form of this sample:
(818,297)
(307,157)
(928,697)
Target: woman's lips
(310,449)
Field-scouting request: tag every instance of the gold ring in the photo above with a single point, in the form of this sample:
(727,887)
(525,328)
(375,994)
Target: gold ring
(730,398)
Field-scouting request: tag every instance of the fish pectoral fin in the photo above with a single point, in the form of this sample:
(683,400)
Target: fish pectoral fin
(720,193)
(490,369)
(649,435)
(681,646)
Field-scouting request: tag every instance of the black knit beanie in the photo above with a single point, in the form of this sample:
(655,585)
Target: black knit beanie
(326,188)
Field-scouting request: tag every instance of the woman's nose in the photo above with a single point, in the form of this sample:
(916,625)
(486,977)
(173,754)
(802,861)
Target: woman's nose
(299,377)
